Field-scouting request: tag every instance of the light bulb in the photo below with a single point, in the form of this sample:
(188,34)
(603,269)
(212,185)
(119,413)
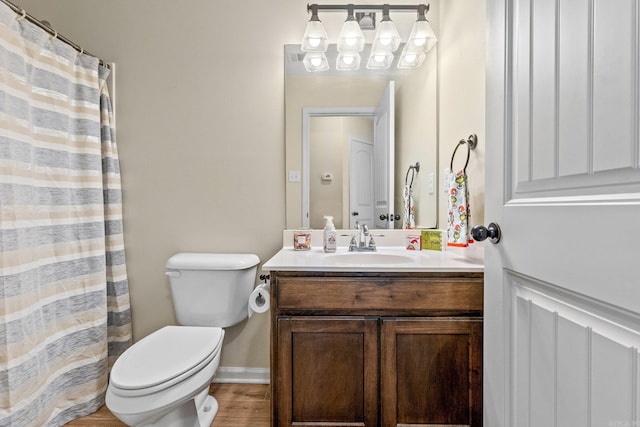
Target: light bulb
(379,58)
(420,41)
(348,60)
(316,61)
(385,42)
(410,58)
(350,41)
(314,42)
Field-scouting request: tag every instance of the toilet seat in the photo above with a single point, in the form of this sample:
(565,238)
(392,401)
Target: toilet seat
(165,358)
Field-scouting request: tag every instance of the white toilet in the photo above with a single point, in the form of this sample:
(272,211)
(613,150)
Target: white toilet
(163,379)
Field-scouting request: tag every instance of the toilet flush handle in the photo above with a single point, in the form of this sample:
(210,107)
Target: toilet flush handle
(173,273)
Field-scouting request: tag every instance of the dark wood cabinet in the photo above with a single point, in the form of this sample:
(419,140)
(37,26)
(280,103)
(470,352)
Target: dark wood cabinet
(329,371)
(383,349)
(431,372)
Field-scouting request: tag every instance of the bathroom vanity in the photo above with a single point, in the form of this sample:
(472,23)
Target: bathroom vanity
(376,340)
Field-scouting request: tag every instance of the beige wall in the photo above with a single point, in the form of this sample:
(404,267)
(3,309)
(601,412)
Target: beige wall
(329,140)
(461,44)
(200,133)
(417,138)
(201,129)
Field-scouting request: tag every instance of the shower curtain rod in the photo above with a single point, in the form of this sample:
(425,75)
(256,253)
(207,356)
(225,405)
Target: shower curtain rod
(18,10)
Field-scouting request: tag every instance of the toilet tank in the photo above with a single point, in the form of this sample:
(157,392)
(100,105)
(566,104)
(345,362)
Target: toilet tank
(211,289)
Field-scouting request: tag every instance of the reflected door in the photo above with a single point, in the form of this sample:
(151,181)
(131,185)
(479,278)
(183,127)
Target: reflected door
(384,146)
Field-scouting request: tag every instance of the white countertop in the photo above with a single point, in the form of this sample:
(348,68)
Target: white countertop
(394,258)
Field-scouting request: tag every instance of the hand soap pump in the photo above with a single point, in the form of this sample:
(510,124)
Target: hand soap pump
(329,235)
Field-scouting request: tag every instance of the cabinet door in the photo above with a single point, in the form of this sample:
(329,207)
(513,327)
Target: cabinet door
(327,371)
(431,372)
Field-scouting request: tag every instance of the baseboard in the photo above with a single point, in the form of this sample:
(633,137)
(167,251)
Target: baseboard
(242,375)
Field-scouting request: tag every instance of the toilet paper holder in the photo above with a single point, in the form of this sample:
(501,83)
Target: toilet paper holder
(259,298)
(266,278)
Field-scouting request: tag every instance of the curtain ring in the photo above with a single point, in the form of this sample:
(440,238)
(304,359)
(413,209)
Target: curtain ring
(54,35)
(80,52)
(23,14)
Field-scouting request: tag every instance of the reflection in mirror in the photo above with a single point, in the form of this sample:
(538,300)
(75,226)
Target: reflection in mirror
(415,134)
(340,152)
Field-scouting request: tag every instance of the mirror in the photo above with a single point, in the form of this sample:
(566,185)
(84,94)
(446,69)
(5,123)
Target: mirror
(350,94)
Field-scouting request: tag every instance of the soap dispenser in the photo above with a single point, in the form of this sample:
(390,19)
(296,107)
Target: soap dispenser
(329,235)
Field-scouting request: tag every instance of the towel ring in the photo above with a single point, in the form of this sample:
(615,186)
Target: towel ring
(471,143)
(414,169)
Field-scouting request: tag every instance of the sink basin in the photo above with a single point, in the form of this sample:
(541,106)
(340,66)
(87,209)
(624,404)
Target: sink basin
(368,258)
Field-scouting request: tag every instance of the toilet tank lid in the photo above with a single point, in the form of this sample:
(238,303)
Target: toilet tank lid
(207,261)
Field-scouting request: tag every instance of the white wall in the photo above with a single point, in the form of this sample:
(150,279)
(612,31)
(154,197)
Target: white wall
(201,129)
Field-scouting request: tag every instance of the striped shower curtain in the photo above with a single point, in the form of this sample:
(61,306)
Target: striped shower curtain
(64,300)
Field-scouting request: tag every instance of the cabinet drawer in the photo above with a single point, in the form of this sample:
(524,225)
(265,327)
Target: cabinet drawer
(379,294)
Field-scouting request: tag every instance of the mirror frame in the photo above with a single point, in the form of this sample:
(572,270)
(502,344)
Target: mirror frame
(417,134)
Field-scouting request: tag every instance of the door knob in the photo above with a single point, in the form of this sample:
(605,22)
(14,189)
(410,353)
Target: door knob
(492,232)
(390,217)
(355,213)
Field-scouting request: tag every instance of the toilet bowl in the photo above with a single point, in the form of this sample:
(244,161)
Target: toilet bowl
(163,379)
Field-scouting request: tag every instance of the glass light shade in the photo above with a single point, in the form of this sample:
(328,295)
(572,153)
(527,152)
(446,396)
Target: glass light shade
(387,37)
(380,60)
(410,59)
(351,38)
(315,61)
(348,61)
(422,38)
(315,37)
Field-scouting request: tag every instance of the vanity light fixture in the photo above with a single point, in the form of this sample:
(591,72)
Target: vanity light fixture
(387,38)
(315,37)
(421,40)
(315,61)
(411,59)
(422,37)
(380,60)
(351,39)
(348,61)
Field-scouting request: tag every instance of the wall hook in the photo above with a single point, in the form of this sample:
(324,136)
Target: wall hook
(472,141)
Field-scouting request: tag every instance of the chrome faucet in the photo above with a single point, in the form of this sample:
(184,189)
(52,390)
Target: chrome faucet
(359,240)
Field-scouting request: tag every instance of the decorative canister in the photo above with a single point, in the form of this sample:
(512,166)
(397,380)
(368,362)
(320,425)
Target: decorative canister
(412,242)
(301,240)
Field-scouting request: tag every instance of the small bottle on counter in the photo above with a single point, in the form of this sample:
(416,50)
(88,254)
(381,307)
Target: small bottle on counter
(329,235)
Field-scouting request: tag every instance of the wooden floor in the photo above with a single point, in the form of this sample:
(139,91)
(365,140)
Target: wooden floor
(241,405)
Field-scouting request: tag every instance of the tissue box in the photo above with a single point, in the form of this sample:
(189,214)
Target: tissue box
(432,240)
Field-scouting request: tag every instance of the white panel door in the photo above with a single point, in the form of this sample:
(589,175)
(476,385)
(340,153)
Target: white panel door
(383,153)
(360,183)
(562,287)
